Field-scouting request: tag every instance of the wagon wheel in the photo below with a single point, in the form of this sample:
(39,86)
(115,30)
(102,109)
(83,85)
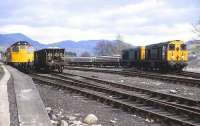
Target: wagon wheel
(60,69)
(47,69)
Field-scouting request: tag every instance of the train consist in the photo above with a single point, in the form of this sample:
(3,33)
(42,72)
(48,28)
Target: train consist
(166,56)
(22,55)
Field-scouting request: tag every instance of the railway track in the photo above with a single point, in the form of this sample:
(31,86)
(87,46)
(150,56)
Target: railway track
(157,76)
(189,74)
(186,103)
(129,100)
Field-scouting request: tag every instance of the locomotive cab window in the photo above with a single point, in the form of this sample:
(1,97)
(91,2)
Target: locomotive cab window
(171,47)
(15,49)
(183,47)
(22,47)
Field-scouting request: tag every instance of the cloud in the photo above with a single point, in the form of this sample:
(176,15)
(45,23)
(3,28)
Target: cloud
(55,34)
(140,22)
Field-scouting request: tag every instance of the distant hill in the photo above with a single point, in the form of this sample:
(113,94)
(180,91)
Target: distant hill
(194,53)
(78,47)
(193,42)
(8,39)
(194,47)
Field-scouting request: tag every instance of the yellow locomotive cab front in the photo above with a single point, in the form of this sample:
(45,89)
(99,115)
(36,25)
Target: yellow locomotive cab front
(22,54)
(177,53)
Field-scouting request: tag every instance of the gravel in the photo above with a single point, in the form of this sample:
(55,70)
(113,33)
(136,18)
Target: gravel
(193,69)
(75,107)
(156,85)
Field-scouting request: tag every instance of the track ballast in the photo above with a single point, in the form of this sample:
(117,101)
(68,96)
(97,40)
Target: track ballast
(129,100)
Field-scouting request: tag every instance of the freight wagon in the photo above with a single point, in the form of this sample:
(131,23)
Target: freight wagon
(49,59)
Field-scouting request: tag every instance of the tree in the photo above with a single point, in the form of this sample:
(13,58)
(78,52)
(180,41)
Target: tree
(119,38)
(120,45)
(104,48)
(197,28)
(85,54)
(110,48)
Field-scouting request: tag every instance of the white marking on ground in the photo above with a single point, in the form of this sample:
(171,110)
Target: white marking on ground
(4,104)
(27,90)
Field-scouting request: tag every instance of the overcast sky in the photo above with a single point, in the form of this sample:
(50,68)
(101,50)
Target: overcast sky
(139,22)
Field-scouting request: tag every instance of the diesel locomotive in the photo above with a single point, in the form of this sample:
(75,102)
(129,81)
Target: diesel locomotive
(165,56)
(21,55)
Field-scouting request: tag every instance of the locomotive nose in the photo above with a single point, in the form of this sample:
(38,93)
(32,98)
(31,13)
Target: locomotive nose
(177,49)
(177,57)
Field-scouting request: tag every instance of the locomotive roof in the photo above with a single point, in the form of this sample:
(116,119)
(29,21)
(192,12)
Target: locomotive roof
(21,43)
(51,49)
(163,43)
(133,48)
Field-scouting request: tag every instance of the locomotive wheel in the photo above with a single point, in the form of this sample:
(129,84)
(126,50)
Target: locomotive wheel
(28,69)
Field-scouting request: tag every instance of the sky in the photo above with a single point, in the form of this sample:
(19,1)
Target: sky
(139,22)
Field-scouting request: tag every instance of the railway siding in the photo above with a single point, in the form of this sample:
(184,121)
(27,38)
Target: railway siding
(182,90)
(75,107)
(140,91)
(147,107)
(157,76)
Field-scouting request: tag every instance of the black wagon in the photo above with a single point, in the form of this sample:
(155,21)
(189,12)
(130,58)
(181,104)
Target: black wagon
(49,59)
